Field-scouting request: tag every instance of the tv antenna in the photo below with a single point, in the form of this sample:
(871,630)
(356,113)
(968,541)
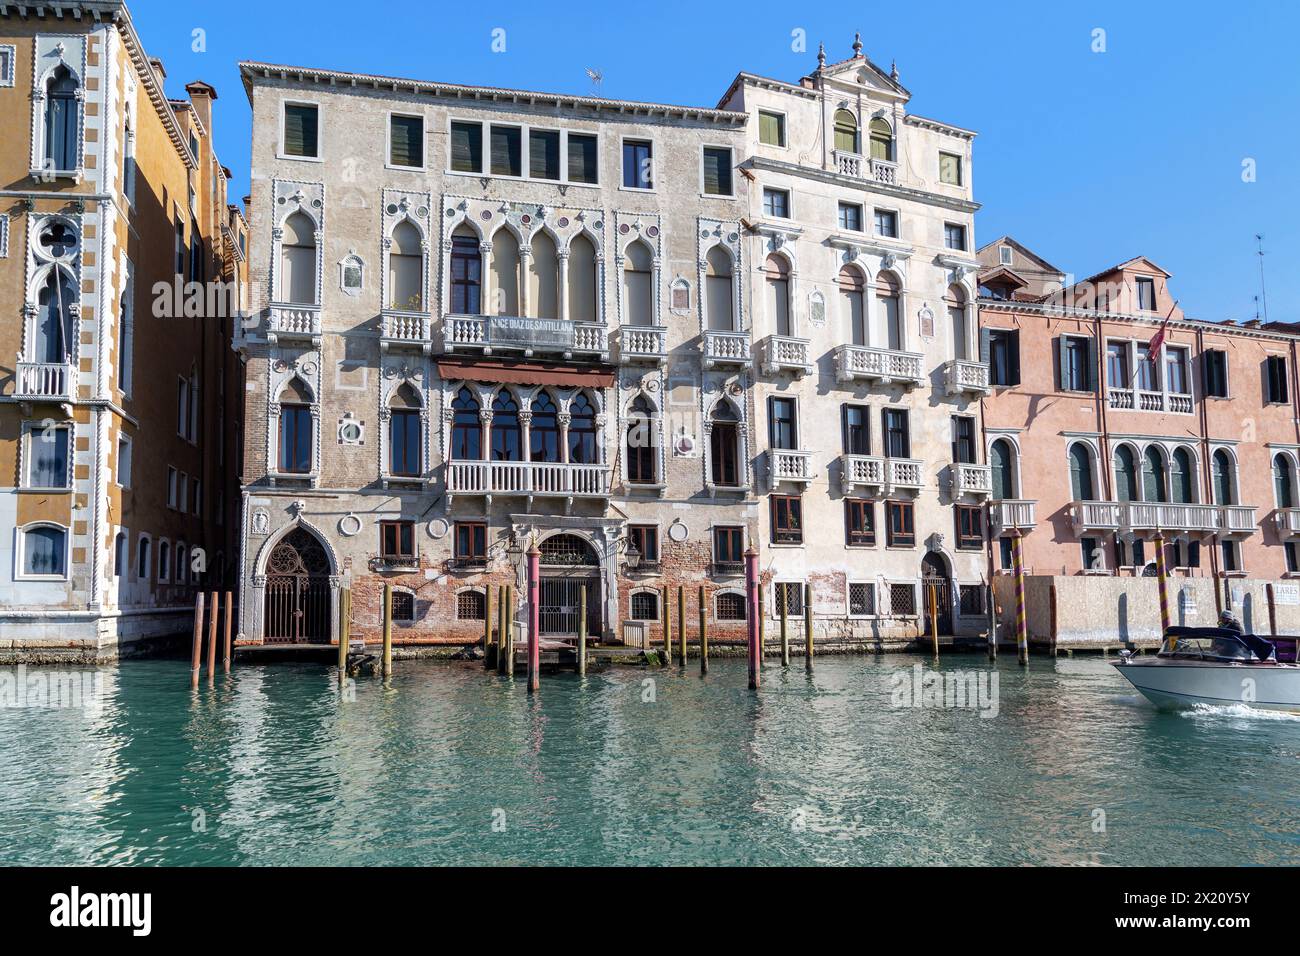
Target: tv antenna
(1263,294)
(596,78)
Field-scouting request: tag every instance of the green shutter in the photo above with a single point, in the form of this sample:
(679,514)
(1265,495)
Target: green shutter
(1014,360)
(505,146)
(466,147)
(406,141)
(717,172)
(544,154)
(582,159)
(1090,376)
(1063,363)
(770,130)
(299,130)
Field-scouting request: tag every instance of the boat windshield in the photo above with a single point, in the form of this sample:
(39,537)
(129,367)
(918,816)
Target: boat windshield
(1215,648)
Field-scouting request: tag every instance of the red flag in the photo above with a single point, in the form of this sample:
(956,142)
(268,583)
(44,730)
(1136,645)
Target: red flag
(1157,340)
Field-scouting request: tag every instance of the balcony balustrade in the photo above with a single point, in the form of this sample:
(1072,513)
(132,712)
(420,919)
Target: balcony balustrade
(784,353)
(726,348)
(866,363)
(45,382)
(512,334)
(642,344)
(966,378)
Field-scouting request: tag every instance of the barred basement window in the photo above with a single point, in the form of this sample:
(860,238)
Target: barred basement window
(470,606)
(902,600)
(970,599)
(403,606)
(788,594)
(645,606)
(862,599)
(730,606)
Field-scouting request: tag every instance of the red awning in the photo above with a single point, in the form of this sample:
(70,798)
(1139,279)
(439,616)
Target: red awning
(525,373)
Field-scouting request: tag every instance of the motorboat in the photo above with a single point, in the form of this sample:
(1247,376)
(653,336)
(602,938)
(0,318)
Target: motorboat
(1219,667)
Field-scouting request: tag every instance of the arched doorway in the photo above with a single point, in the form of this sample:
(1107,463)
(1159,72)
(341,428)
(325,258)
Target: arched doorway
(934,573)
(568,564)
(297,605)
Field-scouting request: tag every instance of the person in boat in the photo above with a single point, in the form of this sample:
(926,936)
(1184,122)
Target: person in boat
(1228,621)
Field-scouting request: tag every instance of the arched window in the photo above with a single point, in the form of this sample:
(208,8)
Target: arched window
(505,273)
(1154,486)
(1181,483)
(719,298)
(1002,464)
(164,561)
(1225,481)
(466,429)
(582,431)
(142,559)
(882,140)
(182,567)
(641,458)
(62,116)
(1125,474)
(543,278)
(1081,482)
(298,260)
(778,293)
(724,445)
(638,284)
(406,269)
(583,301)
(54,327)
(120,555)
(45,551)
(846,131)
(956,302)
(505,428)
(404,457)
(854,304)
(544,430)
(887,297)
(466,272)
(1283,481)
(295,428)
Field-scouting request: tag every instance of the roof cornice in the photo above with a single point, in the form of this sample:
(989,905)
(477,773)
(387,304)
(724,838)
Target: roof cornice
(827,176)
(1091,315)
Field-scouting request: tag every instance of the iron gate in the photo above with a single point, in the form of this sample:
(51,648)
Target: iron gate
(934,574)
(297,606)
(558,608)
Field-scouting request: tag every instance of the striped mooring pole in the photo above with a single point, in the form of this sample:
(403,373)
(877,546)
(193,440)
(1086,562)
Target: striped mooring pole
(1162,581)
(1022,624)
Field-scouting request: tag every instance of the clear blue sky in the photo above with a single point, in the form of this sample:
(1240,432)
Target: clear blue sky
(1089,158)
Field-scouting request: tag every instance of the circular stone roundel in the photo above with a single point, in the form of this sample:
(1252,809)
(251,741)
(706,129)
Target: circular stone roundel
(438,528)
(678,531)
(349,525)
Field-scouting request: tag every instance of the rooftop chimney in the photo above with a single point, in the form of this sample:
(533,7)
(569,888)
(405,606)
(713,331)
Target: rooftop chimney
(158,70)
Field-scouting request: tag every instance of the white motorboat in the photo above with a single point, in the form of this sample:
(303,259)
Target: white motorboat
(1216,666)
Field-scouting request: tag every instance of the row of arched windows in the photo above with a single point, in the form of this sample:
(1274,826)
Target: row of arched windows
(880,136)
(547,439)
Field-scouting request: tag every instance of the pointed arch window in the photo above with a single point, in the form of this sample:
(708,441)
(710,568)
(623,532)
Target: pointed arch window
(778,293)
(466,273)
(505,273)
(62,120)
(1284,481)
(54,326)
(466,427)
(298,260)
(583,300)
(719,296)
(543,278)
(404,432)
(642,461)
(582,431)
(882,140)
(724,446)
(1125,474)
(406,269)
(505,428)
(544,430)
(1081,483)
(888,296)
(638,287)
(846,131)
(853,303)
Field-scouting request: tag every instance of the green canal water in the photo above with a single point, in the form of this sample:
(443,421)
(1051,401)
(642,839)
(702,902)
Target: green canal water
(449,765)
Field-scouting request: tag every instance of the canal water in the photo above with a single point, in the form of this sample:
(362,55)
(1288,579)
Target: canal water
(631,766)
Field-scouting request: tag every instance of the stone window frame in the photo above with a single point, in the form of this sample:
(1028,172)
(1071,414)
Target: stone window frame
(8,64)
(29,430)
(20,551)
(40,79)
(639,591)
(387,393)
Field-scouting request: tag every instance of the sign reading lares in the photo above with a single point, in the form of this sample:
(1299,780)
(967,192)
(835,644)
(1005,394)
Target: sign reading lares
(1287,593)
(530,333)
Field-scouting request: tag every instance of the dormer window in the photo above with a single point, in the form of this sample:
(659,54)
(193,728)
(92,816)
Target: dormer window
(1004,255)
(1146,294)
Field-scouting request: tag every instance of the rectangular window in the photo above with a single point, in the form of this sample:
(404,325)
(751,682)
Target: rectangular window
(781,414)
(886,223)
(895,433)
(397,540)
(173,496)
(645,606)
(729,545)
(1117,371)
(1146,294)
(850,217)
(645,538)
(954,236)
(124,462)
(963,439)
(505,145)
(295,439)
(859,523)
(466,147)
(582,159)
(196,496)
(406,141)
(901,531)
(301,121)
(47,457)
(1292,557)
(776,203)
(902,600)
(717,171)
(787,519)
(857,430)
(1215,367)
(544,154)
(1076,364)
(1006,558)
(970,527)
(1004,255)
(771,128)
(404,443)
(1176,377)
(183,492)
(1275,379)
(1230,556)
(1003,356)
(471,541)
(970,600)
(180,247)
(1148,377)
(466,275)
(862,599)
(788,595)
(182,407)
(638,160)
(950,169)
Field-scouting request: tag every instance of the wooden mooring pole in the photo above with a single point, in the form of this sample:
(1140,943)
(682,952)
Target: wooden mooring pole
(934,620)
(753,615)
(1022,623)
(388,631)
(230,613)
(1272,610)
(505,653)
(582,632)
(785,632)
(345,629)
(534,619)
(213,614)
(196,649)
(508,614)
(808,627)
(490,647)
(668,627)
(1162,586)
(681,621)
(704,632)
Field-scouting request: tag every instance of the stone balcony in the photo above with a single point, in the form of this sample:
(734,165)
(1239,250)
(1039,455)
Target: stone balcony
(405,330)
(726,348)
(792,466)
(872,474)
(1237,520)
(520,335)
(1141,400)
(293,322)
(857,166)
(642,344)
(1288,522)
(870,364)
(784,353)
(971,479)
(1007,514)
(527,479)
(961,377)
(1151,516)
(45,382)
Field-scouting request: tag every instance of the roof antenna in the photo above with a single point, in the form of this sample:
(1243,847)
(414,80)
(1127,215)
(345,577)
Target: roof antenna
(596,78)
(1263,294)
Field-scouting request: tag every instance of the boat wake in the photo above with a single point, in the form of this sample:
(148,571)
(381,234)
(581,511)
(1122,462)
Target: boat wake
(1235,711)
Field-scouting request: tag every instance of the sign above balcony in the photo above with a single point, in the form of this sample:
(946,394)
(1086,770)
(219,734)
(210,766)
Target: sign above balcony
(530,333)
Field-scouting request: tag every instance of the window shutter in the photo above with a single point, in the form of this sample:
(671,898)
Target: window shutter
(300,130)
(1091,375)
(984,346)
(1063,363)
(582,159)
(1014,362)
(467,147)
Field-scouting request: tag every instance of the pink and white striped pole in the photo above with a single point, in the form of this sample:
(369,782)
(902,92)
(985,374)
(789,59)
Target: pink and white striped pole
(751,615)
(534,618)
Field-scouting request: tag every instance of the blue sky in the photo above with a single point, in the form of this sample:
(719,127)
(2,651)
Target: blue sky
(1087,157)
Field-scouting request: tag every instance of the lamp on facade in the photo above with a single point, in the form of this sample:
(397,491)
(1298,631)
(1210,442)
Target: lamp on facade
(632,556)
